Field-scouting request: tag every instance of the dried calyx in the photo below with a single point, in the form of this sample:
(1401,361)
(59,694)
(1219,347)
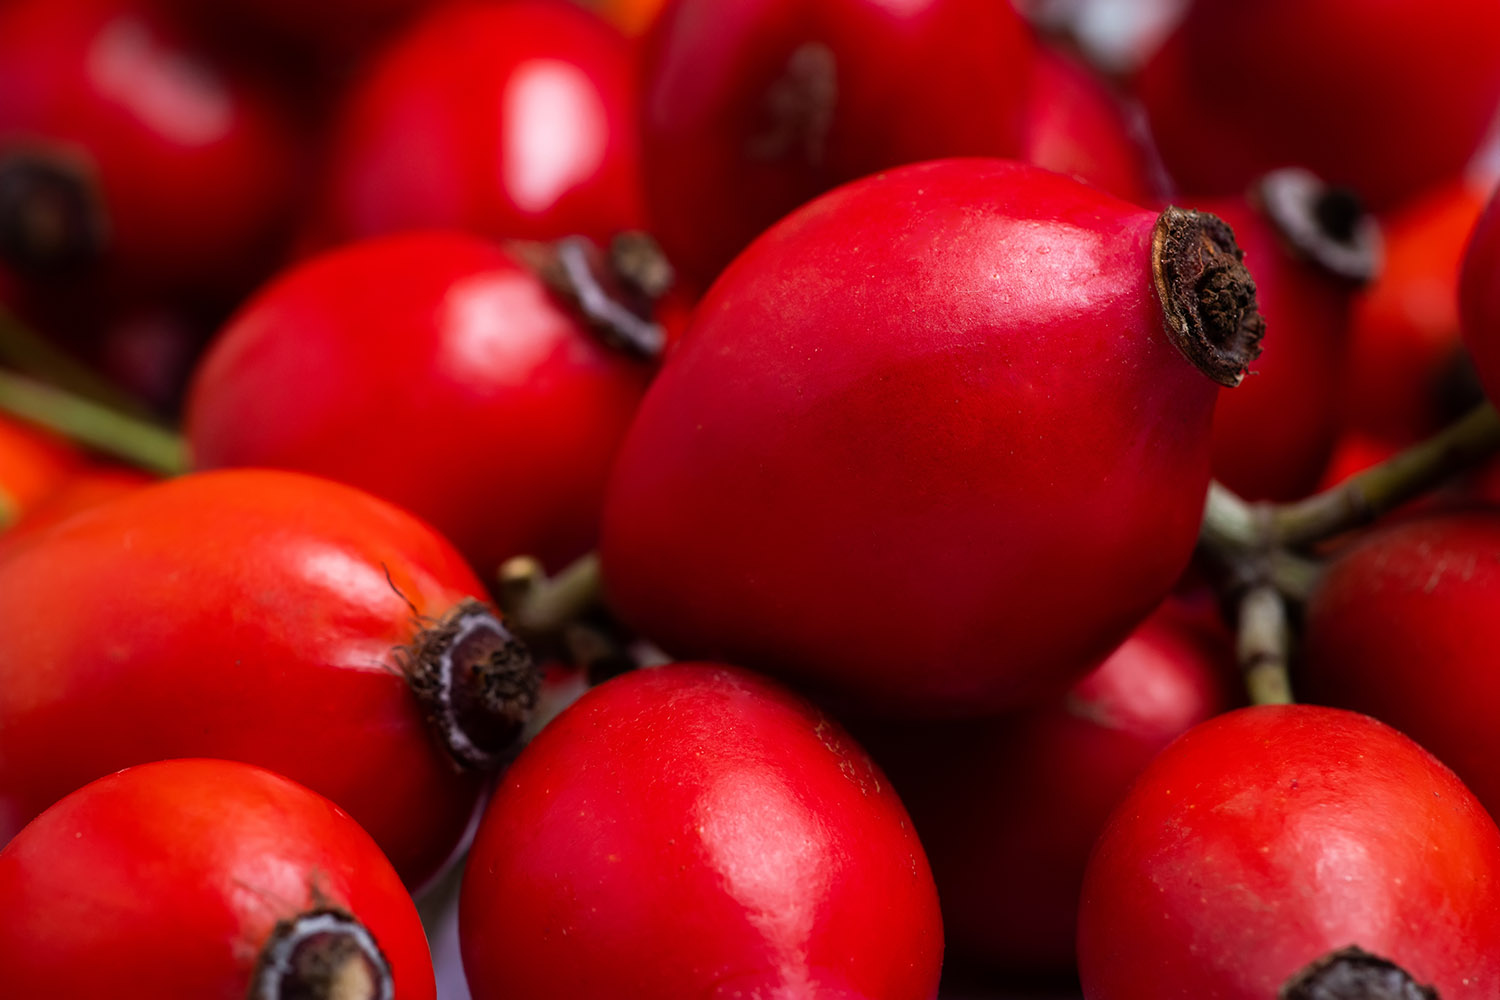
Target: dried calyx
(1354,974)
(477,683)
(324,954)
(1207,294)
(615,292)
(52,220)
(1321,223)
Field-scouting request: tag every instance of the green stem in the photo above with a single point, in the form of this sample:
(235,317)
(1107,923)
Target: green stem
(128,438)
(1264,645)
(553,604)
(1363,498)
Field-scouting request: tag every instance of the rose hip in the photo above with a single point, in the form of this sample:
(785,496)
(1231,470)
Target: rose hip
(1479,296)
(190,879)
(697,831)
(465,391)
(929,444)
(1009,829)
(1402,627)
(126,149)
(515,120)
(1388,102)
(267,617)
(753,108)
(1286,848)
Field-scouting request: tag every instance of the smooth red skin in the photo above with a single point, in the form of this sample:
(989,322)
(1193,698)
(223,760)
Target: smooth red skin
(916,80)
(634,17)
(1389,97)
(33,464)
(896,433)
(1402,628)
(163,882)
(1271,836)
(1404,340)
(1076,125)
(1009,808)
(464,391)
(1274,434)
(514,120)
(1479,297)
(697,831)
(196,165)
(244,615)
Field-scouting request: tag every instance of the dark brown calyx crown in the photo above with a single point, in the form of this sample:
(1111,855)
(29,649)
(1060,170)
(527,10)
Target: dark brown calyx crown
(52,219)
(322,955)
(1323,224)
(1207,294)
(477,683)
(1354,974)
(614,292)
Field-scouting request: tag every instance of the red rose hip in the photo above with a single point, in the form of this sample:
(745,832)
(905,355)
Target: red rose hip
(514,120)
(755,107)
(464,390)
(1279,849)
(697,831)
(199,879)
(1402,626)
(1479,297)
(929,444)
(268,617)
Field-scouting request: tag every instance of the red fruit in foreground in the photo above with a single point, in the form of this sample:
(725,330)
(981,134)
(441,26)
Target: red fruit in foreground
(81,489)
(1389,98)
(464,391)
(122,142)
(1008,828)
(1407,375)
(755,107)
(266,617)
(1402,627)
(515,120)
(1311,248)
(1269,838)
(204,880)
(697,831)
(1479,297)
(928,444)
(1076,125)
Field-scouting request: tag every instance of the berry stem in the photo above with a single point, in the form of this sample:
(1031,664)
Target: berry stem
(1264,645)
(1363,498)
(120,435)
(549,605)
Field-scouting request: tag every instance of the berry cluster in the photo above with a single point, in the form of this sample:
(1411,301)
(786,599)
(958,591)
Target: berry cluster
(749,499)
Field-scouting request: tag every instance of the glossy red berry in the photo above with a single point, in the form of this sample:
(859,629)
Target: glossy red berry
(1479,296)
(196,879)
(79,490)
(1406,375)
(267,617)
(1076,125)
(889,458)
(697,831)
(1402,627)
(465,391)
(1311,247)
(1389,100)
(1009,808)
(515,120)
(1273,838)
(753,108)
(126,148)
